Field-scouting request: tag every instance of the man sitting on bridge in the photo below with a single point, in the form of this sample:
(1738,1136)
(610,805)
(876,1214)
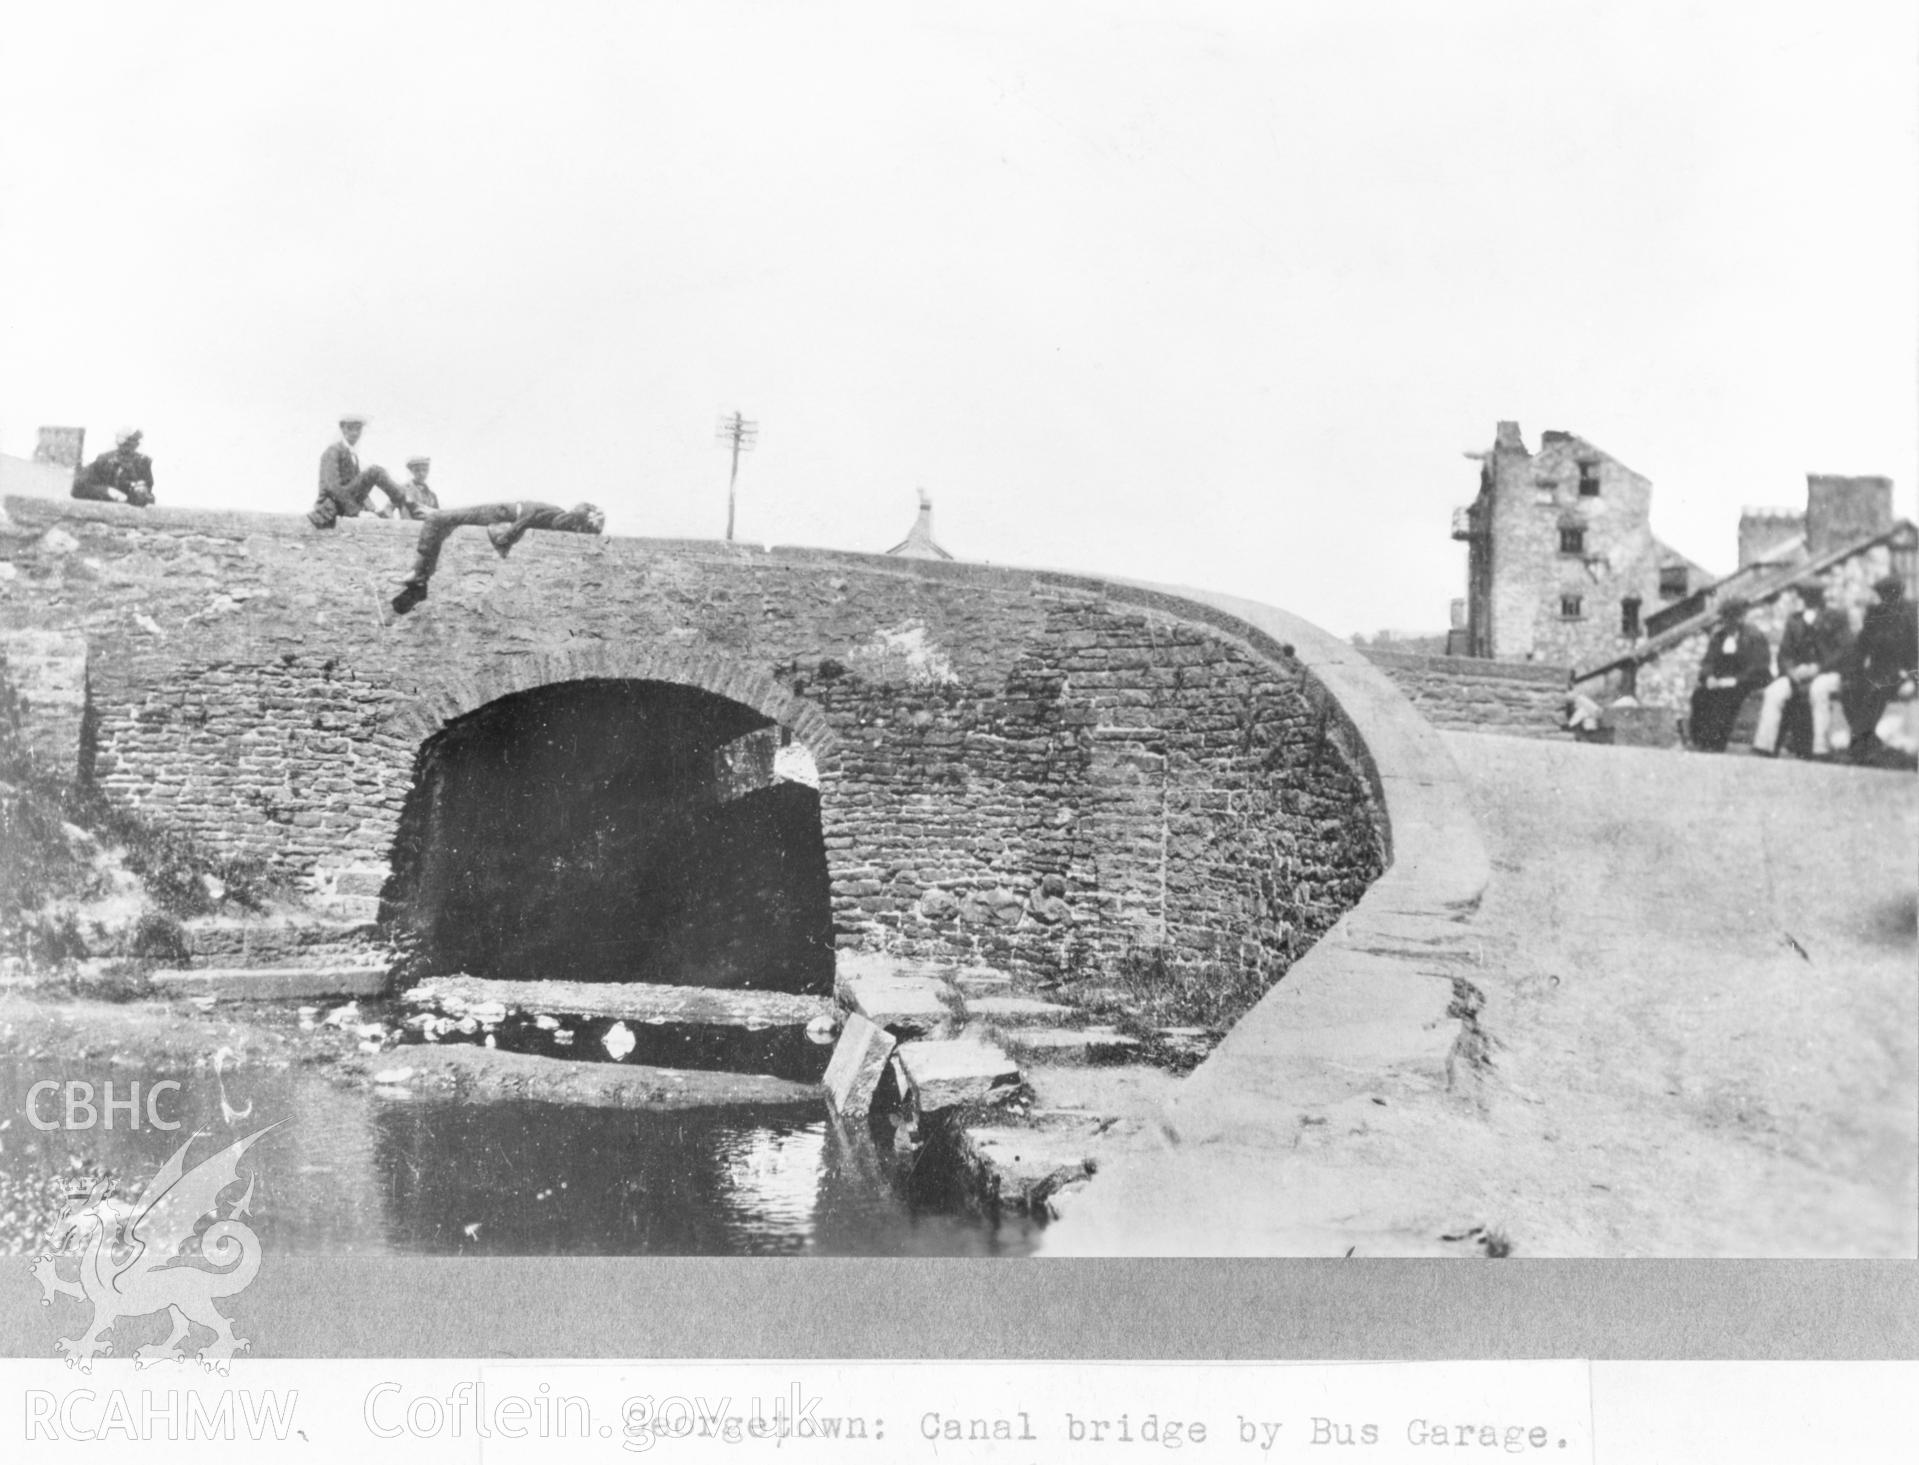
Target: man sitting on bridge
(1811,649)
(416,499)
(506,524)
(344,485)
(126,472)
(1738,661)
(1884,663)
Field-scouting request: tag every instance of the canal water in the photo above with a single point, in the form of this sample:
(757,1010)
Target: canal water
(350,1171)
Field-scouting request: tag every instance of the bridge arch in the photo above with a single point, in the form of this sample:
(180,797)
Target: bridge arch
(461,691)
(613,829)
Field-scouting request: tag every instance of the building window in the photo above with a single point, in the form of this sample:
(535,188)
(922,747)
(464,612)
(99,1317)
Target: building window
(1672,582)
(1571,607)
(1589,480)
(1572,539)
(1629,616)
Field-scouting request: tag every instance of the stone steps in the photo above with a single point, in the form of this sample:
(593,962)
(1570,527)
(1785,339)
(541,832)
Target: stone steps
(940,1074)
(966,1095)
(362,908)
(908,1000)
(256,941)
(1070,1045)
(1017,1010)
(272,984)
(983,982)
(1024,1169)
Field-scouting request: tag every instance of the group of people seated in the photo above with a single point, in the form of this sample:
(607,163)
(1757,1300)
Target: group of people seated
(345,488)
(1821,664)
(126,476)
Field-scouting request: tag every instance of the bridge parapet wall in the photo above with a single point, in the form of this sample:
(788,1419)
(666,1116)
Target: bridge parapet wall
(1475,694)
(977,730)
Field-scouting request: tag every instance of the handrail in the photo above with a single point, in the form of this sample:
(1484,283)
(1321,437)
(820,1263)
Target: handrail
(1783,581)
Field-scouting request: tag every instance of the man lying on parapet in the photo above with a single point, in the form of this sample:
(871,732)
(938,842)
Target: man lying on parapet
(506,523)
(416,499)
(126,472)
(344,485)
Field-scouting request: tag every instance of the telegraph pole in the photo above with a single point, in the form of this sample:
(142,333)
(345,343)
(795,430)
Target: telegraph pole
(741,435)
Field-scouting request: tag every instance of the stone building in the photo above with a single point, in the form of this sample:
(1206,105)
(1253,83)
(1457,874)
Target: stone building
(1562,563)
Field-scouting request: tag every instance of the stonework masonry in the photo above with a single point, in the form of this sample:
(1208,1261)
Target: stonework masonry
(976,731)
(1473,694)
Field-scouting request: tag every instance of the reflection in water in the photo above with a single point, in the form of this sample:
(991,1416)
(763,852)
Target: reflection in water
(524,1178)
(771,1178)
(353,1172)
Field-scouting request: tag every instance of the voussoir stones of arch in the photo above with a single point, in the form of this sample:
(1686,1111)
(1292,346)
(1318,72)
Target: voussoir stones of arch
(436,704)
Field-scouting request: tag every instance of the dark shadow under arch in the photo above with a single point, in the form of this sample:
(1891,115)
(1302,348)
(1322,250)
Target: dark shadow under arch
(579,831)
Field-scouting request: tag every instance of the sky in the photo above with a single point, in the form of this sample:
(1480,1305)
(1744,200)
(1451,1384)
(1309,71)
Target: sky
(1200,293)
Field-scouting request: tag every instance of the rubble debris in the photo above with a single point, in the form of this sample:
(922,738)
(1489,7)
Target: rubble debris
(859,1062)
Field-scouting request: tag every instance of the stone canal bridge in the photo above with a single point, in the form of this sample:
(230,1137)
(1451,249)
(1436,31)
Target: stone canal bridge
(784,751)
(642,760)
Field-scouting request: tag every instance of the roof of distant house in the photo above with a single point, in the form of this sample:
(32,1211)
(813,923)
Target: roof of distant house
(919,544)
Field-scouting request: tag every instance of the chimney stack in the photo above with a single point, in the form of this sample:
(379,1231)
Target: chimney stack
(1842,509)
(61,445)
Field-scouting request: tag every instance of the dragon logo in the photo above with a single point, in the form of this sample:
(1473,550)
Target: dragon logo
(132,1260)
